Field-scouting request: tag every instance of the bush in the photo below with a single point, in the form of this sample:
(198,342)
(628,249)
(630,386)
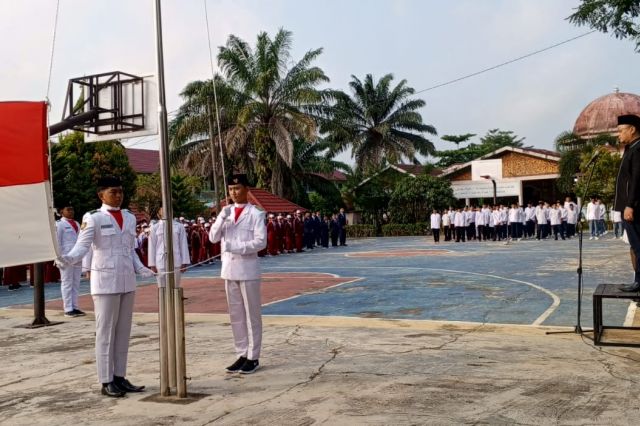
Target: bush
(405,229)
(360,231)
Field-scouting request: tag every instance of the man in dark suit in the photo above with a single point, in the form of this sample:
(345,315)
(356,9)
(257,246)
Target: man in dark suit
(342,220)
(628,189)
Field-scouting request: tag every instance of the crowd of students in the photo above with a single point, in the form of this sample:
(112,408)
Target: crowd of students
(495,223)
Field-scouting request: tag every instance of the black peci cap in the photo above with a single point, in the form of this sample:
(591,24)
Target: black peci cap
(238,179)
(630,119)
(108,182)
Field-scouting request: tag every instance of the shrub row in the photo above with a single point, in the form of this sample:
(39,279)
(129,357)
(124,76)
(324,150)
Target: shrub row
(405,229)
(360,231)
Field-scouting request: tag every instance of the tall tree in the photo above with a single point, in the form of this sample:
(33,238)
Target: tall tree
(77,166)
(148,197)
(493,140)
(377,122)
(617,16)
(277,97)
(458,139)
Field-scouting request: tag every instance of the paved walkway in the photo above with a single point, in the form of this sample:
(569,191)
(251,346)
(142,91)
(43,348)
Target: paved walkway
(340,371)
(410,338)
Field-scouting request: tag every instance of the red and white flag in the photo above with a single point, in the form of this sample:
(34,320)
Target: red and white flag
(27,227)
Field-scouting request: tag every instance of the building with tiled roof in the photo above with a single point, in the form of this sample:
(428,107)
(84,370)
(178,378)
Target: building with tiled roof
(146,161)
(522,174)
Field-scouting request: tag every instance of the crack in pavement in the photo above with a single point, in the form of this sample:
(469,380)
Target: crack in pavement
(38,377)
(445,344)
(334,353)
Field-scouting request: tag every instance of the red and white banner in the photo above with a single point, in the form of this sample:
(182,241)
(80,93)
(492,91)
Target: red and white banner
(27,227)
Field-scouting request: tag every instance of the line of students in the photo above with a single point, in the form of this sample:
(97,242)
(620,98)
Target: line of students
(500,222)
(289,234)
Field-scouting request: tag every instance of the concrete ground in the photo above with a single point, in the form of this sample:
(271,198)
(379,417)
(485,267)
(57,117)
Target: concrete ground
(340,371)
(369,351)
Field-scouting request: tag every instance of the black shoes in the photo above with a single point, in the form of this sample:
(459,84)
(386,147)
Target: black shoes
(236,366)
(111,390)
(14,287)
(79,313)
(126,385)
(250,366)
(244,366)
(631,288)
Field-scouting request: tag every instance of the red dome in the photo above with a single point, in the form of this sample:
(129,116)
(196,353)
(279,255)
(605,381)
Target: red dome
(601,115)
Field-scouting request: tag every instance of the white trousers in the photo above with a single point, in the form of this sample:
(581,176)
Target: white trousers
(113,328)
(162,278)
(243,298)
(70,286)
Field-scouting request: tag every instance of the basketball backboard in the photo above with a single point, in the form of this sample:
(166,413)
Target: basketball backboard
(121,105)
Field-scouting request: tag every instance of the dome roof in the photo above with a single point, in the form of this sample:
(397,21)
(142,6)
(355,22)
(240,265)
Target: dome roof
(601,115)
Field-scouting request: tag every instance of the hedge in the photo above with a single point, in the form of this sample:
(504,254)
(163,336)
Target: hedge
(408,229)
(360,231)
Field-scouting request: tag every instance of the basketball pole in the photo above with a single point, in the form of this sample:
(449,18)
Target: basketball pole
(174,326)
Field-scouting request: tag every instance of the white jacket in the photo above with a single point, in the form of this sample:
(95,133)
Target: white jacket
(240,242)
(435,221)
(555,216)
(446,219)
(114,262)
(158,250)
(459,219)
(67,235)
(592,210)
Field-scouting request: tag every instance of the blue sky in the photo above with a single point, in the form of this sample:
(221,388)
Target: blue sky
(424,41)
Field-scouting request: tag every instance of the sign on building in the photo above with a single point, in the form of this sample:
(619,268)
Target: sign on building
(484,189)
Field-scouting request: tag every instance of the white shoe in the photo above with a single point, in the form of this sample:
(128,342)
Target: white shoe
(605,233)
(591,238)
(597,238)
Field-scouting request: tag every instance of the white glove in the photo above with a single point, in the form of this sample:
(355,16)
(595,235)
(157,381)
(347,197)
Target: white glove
(225,213)
(60,264)
(146,273)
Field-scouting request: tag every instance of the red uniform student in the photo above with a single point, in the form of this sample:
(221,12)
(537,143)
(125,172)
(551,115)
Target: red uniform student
(272,236)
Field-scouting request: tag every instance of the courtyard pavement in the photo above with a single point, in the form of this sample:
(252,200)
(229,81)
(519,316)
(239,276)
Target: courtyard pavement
(384,331)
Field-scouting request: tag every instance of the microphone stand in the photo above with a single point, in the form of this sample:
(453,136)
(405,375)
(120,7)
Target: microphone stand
(578,327)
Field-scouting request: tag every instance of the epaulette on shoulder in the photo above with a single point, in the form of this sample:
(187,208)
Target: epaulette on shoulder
(94,211)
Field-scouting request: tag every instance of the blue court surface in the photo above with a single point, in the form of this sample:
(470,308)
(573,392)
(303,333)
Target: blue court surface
(526,282)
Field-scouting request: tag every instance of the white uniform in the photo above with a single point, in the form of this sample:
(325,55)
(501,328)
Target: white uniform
(69,274)
(158,250)
(446,219)
(241,240)
(555,216)
(436,220)
(114,265)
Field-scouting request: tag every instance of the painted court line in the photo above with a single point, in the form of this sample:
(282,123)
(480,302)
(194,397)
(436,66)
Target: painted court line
(323,289)
(631,314)
(538,321)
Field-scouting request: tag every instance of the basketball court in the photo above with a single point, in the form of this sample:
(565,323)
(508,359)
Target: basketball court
(523,283)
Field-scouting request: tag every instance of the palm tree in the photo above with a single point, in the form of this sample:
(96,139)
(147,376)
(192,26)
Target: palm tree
(194,134)
(276,99)
(378,123)
(311,166)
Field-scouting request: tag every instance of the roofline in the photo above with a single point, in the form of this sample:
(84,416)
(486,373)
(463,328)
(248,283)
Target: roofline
(454,168)
(390,166)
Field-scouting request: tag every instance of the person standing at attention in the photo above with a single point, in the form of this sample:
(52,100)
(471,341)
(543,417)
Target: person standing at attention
(111,233)
(242,231)
(627,198)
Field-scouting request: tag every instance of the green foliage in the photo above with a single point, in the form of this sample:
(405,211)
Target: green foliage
(378,123)
(77,166)
(458,139)
(148,197)
(360,231)
(576,152)
(324,205)
(617,16)
(413,199)
(493,140)
(603,182)
(405,229)
(276,97)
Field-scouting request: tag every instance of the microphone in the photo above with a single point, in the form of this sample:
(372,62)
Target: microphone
(598,152)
